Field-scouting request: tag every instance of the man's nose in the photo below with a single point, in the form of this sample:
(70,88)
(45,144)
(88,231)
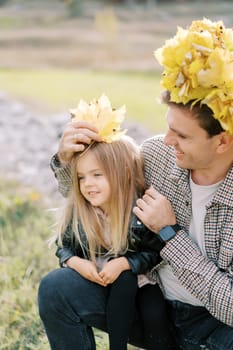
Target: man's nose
(170,138)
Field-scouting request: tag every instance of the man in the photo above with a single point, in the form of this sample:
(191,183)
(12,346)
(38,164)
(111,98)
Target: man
(190,174)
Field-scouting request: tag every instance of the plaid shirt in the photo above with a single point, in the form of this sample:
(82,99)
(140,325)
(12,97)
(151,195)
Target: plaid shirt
(208,279)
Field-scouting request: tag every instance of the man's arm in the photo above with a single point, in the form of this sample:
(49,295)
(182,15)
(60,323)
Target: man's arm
(201,276)
(62,174)
(74,138)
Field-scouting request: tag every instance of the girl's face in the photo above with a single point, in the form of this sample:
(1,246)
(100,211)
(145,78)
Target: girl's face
(93,183)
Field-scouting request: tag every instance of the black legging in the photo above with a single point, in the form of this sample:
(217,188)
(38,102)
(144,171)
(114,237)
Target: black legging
(120,309)
(154,315)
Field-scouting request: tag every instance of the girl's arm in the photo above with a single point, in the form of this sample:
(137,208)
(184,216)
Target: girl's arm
(68,248)
(138,263)
(63,254)
(142,262)
(144,247)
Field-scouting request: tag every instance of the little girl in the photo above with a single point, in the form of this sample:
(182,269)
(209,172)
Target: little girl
(99,238)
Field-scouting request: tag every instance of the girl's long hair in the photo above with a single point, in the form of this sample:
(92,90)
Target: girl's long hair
(122,165)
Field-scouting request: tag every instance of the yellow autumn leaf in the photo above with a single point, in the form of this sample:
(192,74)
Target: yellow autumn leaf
(198,66)
(100,114)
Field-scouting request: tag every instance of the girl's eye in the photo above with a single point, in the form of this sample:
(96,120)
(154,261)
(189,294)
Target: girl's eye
(98,174)
(80,178)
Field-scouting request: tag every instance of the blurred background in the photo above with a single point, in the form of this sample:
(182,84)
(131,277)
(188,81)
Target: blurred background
(52,53)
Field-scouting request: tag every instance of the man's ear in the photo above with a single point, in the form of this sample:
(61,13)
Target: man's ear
(225,142)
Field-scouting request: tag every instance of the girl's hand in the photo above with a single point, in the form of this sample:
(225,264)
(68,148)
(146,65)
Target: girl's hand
(74,138)
(113,268)
(85,268)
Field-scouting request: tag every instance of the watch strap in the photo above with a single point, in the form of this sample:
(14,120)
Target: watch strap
(175,228)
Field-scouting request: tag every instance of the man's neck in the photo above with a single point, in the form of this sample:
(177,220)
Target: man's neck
(212,175)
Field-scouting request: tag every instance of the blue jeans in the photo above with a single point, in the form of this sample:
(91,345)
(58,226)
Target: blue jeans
(69,305)
(197,329)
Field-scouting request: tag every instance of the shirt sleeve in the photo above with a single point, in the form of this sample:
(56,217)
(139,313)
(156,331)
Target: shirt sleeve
(62,174)
(63,254)
(201,276)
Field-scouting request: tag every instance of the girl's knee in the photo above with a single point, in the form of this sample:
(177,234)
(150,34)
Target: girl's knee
(49,284)
(47,291)
(126,285)
(127,277)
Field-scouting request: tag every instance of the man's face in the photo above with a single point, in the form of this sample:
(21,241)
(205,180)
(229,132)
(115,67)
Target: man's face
(193,148)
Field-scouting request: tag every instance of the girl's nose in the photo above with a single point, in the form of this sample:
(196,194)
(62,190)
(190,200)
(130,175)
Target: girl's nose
(87,181)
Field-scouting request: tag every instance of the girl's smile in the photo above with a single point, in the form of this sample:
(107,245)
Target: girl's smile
(93,183)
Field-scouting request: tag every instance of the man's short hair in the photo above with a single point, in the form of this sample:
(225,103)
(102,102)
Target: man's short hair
(200,111)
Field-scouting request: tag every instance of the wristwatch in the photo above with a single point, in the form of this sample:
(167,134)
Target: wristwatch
(168,232)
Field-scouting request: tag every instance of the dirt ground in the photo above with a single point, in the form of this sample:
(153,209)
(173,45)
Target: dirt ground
(41,34)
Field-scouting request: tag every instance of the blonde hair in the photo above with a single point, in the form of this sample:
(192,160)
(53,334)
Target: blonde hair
(122,165)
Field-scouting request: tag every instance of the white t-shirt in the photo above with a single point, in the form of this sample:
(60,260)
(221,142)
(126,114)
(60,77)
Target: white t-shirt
(201,197)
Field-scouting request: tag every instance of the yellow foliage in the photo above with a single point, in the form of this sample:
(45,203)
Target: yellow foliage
(100,114)
(198,66)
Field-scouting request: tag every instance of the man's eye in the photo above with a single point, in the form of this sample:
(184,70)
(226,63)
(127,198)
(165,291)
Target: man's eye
(181,136)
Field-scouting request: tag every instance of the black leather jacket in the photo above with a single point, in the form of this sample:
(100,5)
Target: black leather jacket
(142,254)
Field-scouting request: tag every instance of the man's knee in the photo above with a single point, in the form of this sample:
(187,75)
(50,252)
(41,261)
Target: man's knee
(221,338)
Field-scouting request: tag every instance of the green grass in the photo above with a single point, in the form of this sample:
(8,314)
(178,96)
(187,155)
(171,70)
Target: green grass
(59,90)
(25,226)
(24,259)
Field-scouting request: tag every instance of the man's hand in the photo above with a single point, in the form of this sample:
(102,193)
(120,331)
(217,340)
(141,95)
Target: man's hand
(74,138)
(154,210)
(113,268)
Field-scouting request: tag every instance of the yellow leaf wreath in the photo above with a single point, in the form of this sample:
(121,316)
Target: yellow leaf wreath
(198,66)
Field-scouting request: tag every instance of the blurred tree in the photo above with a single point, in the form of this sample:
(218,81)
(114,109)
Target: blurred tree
(2,2)
(74,7)
(145,1)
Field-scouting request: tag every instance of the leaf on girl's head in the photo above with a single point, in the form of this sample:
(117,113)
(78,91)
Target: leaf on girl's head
(100,114)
